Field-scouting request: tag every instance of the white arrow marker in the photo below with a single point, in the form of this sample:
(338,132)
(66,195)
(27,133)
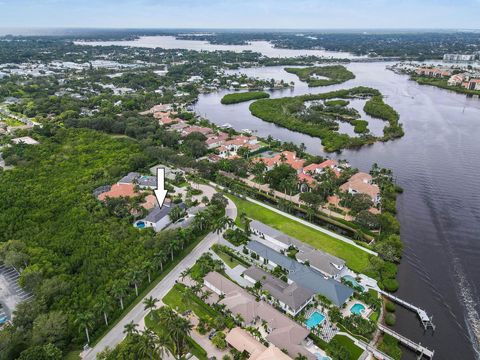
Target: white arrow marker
(160,192)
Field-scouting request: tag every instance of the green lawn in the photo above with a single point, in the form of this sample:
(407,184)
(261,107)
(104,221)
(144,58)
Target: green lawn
(356,259)
(354,350)
(180,302)
(227,259)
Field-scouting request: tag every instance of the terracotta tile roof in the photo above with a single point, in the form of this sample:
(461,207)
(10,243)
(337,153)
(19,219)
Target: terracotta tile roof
(119,190)
(290,159)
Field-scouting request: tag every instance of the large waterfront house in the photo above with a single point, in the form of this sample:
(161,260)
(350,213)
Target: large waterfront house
(290,297)
(361,183)
(302,274)
(329,265)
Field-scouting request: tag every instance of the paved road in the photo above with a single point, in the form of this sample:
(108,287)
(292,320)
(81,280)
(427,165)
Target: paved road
(116,335)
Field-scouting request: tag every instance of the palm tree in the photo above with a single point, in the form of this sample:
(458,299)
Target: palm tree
(223,223)
(160,257)
(147,345)
(134,278)
(301,357)
(104,305)
(118,290)
(84,321)
(150,304)
(246,223)
(130,328)
(185,273)
(173,246)
(283,157)
(148,267)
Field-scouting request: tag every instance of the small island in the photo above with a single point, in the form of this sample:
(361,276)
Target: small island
(236,98)
(320,117)
(322,75)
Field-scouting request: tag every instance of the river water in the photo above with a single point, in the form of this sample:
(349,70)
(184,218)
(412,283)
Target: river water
(437,163)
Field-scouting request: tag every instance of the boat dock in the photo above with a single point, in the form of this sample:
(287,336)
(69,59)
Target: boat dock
(418,348)
(426,320)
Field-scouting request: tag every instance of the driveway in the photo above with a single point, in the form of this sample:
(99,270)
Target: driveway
(137,314)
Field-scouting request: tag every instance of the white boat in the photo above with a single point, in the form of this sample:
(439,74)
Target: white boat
(227,125)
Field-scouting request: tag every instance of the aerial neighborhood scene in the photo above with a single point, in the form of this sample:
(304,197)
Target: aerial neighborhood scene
(254,180)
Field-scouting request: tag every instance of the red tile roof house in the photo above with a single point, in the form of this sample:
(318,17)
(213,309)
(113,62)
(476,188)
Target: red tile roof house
(306,177)
(163,108)
(215,140)
(229,148)
(128,190)
(200,129)
(473,84)
(288,157)
(361,183)
(433,72)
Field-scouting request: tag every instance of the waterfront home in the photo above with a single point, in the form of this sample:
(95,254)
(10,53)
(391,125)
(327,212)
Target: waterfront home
(472,84)
(242,341)
(433,72)
(143,181)
(291,298)
(195,129)
(282,331)
(302,274)
(456,80)
(317,169)
(215,140)
(285,157)
(160,108)
(329,265)
(361,183)
(229,148)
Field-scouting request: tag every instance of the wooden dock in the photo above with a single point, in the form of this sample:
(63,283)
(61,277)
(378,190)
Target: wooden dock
(418,348)
(426,320)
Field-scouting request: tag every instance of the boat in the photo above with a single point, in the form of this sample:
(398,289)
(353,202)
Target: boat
(227,126)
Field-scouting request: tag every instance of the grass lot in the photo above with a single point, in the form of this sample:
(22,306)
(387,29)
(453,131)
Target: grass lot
(227,259)
(195,348)
(354,350)
(356,259)
(180,301)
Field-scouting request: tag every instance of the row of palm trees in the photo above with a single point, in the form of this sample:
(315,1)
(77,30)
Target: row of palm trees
(168,243)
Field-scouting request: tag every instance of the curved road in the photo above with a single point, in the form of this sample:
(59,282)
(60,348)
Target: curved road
(137,314)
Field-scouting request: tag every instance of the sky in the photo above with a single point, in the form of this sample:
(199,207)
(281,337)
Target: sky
(281,14)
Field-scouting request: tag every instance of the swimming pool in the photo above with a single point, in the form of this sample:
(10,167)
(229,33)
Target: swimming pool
(321,357)
(140,224)
(357,309)
(314,320)
(353,282)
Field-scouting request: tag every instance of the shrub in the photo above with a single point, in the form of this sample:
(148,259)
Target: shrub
(390,306)
(390,285)
(390,319)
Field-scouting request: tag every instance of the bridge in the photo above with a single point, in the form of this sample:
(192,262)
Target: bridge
(426,320)
(418,348)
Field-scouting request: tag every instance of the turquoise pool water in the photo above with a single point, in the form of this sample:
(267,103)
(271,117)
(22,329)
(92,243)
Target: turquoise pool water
(140,224)
(321,357)
(314,320)
(357,309)
(352,281)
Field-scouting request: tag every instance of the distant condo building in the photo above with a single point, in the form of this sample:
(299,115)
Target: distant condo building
(458,57)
